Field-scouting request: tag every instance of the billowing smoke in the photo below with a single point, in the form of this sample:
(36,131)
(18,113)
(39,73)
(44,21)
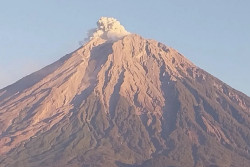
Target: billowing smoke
(107,28)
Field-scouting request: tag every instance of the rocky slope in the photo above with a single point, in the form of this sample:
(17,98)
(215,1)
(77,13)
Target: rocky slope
(128,101)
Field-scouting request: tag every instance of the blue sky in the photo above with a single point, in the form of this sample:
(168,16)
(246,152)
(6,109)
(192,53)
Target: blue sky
(215,35)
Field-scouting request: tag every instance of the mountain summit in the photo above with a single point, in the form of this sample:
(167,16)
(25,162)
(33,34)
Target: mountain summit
(123,101)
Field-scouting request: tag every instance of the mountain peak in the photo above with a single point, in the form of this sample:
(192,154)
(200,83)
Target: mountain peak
(108,28)
(129,102)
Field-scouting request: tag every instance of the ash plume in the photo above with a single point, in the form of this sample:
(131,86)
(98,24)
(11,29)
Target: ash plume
(108,28)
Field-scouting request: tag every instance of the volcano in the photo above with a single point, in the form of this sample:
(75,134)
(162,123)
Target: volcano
(123,101)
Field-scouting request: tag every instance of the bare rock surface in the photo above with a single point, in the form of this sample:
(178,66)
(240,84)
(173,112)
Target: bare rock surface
(124,102)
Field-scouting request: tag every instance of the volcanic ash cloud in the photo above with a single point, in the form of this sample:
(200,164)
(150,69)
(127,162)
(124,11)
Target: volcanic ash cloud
(108,29)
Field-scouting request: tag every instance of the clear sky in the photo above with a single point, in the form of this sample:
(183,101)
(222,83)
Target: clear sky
(215,34)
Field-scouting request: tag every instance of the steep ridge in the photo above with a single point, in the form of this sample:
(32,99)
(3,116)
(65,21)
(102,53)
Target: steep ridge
(124,102)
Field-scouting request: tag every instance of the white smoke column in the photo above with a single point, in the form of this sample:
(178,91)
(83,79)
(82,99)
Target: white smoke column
(107,28)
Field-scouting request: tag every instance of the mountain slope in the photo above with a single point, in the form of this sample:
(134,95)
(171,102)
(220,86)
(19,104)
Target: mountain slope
(125,102)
